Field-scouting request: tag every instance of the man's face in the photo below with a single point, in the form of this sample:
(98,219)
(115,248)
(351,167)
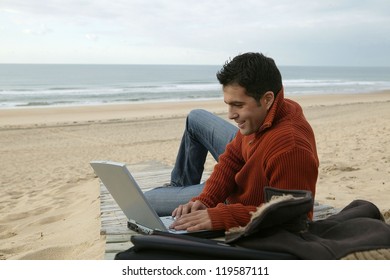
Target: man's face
(244,110)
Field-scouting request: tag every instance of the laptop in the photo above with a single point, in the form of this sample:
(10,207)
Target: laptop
(142,218)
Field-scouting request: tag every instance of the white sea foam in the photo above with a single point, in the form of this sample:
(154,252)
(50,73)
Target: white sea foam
(68,85)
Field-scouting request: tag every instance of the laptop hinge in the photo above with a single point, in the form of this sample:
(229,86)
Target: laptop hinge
(132,225)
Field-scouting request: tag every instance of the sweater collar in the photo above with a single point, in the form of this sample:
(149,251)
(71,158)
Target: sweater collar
(271,115)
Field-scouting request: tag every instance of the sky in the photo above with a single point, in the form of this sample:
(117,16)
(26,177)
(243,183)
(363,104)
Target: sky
(293,32)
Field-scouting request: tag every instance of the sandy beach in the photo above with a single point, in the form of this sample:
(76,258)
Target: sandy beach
(49,201)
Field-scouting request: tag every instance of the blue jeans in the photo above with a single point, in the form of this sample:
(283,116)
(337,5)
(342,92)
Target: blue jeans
(204,132)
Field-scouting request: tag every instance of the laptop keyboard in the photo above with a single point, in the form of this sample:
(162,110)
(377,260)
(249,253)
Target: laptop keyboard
(167,221)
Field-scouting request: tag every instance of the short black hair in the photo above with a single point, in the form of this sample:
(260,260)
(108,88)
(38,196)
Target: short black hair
(255,72)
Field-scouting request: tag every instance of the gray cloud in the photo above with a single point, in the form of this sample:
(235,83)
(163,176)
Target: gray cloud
(334,32)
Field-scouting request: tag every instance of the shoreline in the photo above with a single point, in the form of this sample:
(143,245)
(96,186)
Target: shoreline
(50,194)
(37,116)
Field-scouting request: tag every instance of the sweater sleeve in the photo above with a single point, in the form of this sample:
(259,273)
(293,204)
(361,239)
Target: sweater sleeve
(221,183)
(226,216)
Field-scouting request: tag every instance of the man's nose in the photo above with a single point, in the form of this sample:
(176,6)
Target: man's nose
(232,114)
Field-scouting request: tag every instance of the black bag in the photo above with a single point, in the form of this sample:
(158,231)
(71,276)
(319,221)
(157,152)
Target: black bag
(170,246)
(278,230)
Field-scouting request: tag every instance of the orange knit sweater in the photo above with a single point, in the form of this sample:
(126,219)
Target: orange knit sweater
(282,154)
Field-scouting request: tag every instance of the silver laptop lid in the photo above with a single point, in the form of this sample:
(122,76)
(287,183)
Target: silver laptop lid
(127,194)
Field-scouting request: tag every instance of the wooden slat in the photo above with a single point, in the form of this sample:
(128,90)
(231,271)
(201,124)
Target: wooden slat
(149,175)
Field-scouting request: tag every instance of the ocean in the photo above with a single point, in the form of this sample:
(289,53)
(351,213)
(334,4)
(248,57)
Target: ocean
(36,85)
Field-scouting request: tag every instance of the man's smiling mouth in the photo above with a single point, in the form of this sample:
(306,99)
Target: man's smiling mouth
(240,124)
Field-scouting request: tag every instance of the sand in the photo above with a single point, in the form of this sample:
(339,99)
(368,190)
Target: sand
(49,201)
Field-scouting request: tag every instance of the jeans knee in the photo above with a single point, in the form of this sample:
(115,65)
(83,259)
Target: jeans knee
(195,118)
(196,113)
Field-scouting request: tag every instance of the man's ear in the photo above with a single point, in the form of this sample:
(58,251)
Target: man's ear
(268,98)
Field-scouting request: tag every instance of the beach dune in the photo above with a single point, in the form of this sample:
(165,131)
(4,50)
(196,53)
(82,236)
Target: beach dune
(49,201)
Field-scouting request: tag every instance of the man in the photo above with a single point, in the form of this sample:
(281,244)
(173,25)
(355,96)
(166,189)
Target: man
(274,146)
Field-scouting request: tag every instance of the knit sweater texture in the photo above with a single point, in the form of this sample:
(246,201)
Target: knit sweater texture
(281,154)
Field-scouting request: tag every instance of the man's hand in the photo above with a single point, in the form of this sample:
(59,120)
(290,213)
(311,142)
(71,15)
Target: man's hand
(188,208)
(192,216)
(194,221)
